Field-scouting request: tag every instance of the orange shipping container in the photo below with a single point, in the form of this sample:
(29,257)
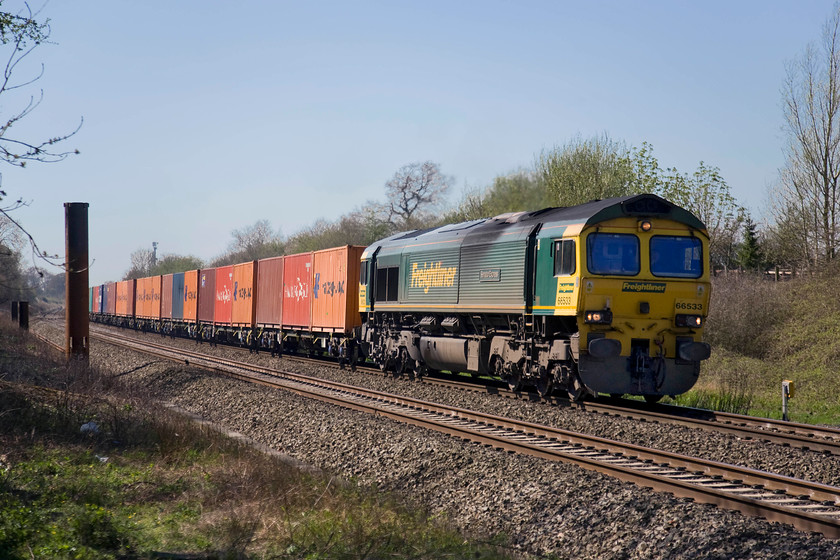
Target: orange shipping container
(190,295)
(335,289)
(140,297)
(244,275)
(148,297)
(270,291)
(166,297)
(155,289)
(125,298)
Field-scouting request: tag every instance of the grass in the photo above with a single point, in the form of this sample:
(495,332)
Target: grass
(150,484)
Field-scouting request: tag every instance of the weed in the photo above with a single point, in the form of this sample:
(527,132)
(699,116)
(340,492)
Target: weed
(150,480)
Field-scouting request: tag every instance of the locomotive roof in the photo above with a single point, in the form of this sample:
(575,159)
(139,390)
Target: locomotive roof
(590,213)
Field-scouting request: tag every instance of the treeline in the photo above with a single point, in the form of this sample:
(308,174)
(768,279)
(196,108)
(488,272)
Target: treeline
(576,172)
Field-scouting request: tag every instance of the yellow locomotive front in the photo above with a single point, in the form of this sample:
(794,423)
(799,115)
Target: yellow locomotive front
(643,298)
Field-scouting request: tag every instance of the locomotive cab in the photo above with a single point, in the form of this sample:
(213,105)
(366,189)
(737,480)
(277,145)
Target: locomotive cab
(643,300)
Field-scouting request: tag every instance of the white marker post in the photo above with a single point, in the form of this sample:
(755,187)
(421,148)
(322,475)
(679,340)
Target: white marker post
(787,393)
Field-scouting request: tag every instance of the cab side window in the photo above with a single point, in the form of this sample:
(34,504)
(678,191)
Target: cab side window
(564,257)
(387,283)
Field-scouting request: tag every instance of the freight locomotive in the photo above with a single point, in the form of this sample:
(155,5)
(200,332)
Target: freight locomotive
(605,297)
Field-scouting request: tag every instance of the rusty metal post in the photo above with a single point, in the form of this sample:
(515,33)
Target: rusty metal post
(14,311)
(23,315)
(77,296)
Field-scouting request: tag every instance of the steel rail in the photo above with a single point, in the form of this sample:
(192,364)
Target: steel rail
(806,505)
(820,439)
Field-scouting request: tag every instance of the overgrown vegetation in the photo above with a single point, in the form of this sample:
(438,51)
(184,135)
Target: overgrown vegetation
(146,483)
(763,332)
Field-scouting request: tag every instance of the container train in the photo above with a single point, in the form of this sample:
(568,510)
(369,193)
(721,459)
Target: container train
(605,297)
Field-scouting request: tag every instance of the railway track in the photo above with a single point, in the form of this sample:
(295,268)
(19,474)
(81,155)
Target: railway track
(805,505)
(820,439)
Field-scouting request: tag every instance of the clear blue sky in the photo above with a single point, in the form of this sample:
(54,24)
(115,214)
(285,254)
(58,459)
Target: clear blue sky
(204,117)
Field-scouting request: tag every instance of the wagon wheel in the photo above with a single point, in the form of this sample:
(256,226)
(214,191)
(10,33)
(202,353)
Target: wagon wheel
(652,399)
(354,358)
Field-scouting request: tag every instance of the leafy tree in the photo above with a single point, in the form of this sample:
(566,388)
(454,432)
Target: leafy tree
(584,170)
(515,192)
(176,263)
(706,194)
(144,263)
(809,193)
(414,191)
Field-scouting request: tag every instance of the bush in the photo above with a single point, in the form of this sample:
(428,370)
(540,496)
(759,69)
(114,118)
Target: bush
(744,311)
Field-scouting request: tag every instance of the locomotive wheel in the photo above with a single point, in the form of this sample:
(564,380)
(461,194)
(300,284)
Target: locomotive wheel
(404,363)
(513,377)
(576,390)
(544,385)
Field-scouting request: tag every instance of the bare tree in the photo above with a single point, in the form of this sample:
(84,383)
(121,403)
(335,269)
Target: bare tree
(257,241)
(414,189)
(809,180)
(20,34)
(142,261)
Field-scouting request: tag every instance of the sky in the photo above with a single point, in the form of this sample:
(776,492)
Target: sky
(201,118)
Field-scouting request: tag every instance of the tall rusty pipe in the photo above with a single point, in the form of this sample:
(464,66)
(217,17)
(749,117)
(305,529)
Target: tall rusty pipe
(77,296)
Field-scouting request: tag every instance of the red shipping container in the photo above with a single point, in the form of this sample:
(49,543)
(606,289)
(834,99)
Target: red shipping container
(224,295)
(190,296)
(125,298)
(242,314)
(96,299)
(297,289)
(270,291)
(335,289)
(206,295)
(166,297)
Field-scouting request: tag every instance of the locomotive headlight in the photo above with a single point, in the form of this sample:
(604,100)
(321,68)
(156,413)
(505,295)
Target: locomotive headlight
(694,321)
(645,225)
(601,317)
